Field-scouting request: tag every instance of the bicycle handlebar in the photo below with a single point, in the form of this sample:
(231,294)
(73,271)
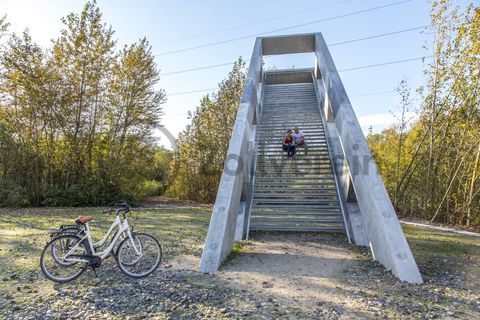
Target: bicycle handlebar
(122,205)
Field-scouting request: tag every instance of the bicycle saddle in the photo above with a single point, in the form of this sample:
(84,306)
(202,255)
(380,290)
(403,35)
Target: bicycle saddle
(83,219)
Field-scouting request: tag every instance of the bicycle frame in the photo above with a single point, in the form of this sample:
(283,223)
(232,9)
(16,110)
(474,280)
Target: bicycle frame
(75,229)
(124,228)
(116,224)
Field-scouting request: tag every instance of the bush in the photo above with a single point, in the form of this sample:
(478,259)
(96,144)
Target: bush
(12,195)
(94,192)
(56,197)
(98,192)
(150,188)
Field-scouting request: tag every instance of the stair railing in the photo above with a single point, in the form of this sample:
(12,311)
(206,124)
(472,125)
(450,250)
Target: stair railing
(248,212)
(330,156)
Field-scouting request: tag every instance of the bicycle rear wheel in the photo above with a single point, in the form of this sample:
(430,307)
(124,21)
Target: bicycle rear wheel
(56,262)
(140,258)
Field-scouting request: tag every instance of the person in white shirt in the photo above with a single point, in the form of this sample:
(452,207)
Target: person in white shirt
(299,138)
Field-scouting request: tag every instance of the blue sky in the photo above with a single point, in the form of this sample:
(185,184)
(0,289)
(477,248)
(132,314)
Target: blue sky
(164,21)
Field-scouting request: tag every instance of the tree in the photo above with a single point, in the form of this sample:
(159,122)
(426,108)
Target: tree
(439,164)
(82,57)
(404,92)
(203,145)
(134,110)
(76,119)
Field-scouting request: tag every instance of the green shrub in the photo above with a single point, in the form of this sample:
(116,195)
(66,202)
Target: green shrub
(12,195)
(94,192)
(56,197)
(150,188)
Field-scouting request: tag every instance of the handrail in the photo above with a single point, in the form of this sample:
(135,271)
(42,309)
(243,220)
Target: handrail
(335,178)
(248,213)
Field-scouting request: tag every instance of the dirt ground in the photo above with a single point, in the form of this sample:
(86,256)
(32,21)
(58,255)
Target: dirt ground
(271,276)
(321,272)
(295,268)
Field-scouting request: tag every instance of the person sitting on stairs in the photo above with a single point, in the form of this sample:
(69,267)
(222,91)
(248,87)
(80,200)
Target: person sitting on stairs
(288,145)
(299,138)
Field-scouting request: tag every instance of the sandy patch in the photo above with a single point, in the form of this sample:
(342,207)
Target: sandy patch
(291,267)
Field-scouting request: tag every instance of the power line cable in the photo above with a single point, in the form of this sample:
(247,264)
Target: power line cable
(252,23)
(383,64)
(377,36)
(342,70)
(371,94)
(189,92)
(199,68)
(330,45)
(285,28)
(212,89)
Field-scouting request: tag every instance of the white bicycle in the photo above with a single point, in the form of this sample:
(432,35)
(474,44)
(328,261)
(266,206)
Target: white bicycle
(79,230)
(68,255)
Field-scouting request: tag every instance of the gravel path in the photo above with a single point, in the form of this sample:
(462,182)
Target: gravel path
(274,276)
(171,293)
(429,226)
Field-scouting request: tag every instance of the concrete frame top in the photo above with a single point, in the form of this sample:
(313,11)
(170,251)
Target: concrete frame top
(297,43)
(304,75)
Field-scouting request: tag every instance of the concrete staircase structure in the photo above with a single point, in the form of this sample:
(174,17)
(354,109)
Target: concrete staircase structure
(335,187)
(299,194)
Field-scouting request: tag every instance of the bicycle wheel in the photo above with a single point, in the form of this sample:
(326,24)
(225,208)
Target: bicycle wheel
(138,245)
(138,261)
(59,248)
(55,263)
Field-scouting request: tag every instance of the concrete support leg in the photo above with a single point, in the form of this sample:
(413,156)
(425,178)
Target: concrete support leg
(239,231)
(385,235)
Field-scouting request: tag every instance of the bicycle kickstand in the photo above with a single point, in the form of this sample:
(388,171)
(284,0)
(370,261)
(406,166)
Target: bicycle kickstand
(94,272)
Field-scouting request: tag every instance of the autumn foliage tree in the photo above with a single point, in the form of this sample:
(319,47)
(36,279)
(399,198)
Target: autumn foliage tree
(439,163)
(203,145)
(76,119)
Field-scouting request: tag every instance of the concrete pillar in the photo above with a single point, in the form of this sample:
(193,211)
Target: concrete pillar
(385,235)
(239,230)
(236,174)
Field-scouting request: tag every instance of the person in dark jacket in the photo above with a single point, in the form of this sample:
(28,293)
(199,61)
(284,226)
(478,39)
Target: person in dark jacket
(289,145)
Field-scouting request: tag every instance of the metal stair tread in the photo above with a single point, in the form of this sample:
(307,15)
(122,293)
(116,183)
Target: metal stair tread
(296,213)
(301,207)
(295,228)
(297,220)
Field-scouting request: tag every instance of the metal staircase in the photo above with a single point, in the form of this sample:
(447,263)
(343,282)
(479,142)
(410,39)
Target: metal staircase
(299,194)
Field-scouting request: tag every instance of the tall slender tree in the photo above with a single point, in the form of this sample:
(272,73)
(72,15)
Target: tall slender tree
(83,56)
(203,145)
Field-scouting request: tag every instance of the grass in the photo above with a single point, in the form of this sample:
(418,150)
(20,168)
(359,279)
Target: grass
(447,251)
(182,230)
(427,242)
(239,245)
(24,233)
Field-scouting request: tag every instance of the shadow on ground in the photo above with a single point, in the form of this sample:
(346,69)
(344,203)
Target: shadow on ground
(275,276)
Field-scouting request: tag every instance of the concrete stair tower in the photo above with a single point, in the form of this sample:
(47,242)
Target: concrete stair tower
(335,187)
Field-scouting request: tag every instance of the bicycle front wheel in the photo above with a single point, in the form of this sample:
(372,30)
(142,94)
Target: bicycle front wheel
(58,262)
(141,257)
